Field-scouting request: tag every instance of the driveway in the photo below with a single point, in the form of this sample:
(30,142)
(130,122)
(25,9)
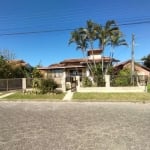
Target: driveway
(74,126)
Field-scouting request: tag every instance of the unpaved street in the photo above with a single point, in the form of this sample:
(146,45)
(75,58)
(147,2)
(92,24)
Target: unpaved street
(74,126)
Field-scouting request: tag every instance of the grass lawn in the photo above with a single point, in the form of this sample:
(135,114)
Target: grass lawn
(111,97)
(148,87)
(19,96)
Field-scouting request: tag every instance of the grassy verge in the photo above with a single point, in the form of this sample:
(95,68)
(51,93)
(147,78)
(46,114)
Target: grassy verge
(111,97)
(19,96)
(148,88)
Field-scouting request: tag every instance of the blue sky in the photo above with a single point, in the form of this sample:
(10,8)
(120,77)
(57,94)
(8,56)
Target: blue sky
(21,16)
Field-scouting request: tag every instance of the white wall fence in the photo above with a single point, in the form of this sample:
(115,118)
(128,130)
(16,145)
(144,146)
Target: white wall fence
(113,89)
(22,84)
(108,88)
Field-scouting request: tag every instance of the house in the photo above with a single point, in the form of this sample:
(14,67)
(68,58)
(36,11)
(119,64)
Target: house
(71,68)
(19,63)
(140,70)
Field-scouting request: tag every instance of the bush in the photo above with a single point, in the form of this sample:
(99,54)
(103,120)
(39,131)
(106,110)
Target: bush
(122,81)
(58,91)
(99,81)
(123,78)
(36,83)
(86,82)
(48,85)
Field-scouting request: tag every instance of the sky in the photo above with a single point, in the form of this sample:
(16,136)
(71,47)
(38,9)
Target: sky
(38,31)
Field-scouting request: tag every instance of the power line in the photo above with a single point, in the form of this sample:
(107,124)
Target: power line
(133,23)
(35,32)
(63,30)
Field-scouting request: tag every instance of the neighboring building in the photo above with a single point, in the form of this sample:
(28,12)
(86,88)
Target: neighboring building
(139,69)
(75,67)
(19,63)
(141,72)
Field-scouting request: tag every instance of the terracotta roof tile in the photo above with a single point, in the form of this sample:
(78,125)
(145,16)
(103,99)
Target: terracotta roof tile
(129,61)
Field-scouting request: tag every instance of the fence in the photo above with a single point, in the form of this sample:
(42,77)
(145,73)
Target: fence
(14,84)
(10,84)
(128,81)
(17,84)
(113,81)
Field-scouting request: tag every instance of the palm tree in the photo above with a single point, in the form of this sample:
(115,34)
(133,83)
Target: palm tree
(116,40)
(79,37)
(91,36)
(104,34)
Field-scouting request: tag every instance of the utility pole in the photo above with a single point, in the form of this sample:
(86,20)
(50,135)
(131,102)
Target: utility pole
(132,59)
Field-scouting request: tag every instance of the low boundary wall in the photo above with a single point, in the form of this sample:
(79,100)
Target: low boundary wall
(113,89)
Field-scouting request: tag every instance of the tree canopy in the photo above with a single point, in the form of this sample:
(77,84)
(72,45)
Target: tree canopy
(85,37)
(11,70)
(146,60)
(7,54)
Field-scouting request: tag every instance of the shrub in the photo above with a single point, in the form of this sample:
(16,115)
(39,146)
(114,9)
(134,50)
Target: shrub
(48,85)
(58,91)
(122,81)
(123,78)
(36,83)
(99,81)
(86,82)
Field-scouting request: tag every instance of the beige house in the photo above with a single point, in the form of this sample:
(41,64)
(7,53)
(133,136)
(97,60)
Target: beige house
(141,72)
(139,69)
(70,71)
(71,68)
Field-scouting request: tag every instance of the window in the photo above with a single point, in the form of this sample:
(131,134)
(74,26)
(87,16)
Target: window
(57,73)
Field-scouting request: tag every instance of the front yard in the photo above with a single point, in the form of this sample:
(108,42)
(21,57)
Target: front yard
(81,97)
(20,96)
(111,97)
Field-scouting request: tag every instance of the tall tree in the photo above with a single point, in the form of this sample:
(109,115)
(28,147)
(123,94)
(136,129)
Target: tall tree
(117,40)
(104,34)
(79,37)
(146,60)
(7,54)
(109,34)
(5,68)
(10,70)
(91,36)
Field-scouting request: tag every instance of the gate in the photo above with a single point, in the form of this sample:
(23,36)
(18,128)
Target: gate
(72,82)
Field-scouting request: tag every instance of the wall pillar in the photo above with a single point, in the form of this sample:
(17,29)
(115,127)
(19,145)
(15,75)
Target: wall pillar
(63,81)
(107,80)
(87,72)
(78,82)
(24,84)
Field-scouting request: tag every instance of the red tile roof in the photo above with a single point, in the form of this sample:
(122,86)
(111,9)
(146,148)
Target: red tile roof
(76,63)
(129,61)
